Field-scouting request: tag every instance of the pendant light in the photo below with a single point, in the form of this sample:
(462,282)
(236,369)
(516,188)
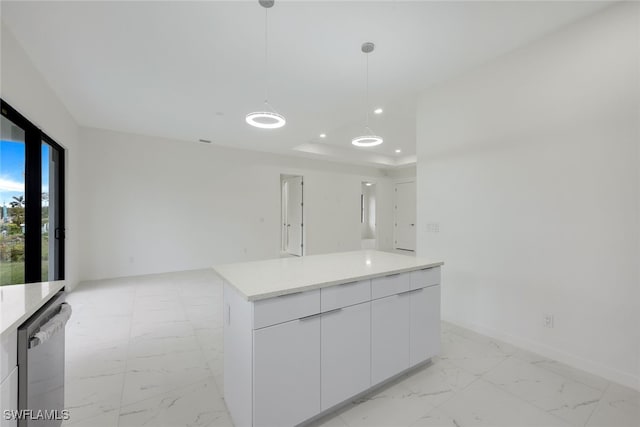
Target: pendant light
(369,139)
(269,118)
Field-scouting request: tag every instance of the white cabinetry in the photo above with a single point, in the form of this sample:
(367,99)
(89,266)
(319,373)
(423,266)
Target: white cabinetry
(286,373)
(425,324)
(8,376)
(389,336)
(346,353)
(8,353)
(344,295)
(288,307)
(290,358)
(390,285)
(9,397)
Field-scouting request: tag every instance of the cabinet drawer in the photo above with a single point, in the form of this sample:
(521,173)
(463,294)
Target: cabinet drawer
(287,307)
(344,295)
(9,353)
(390,285)
(9,397)
(425,278)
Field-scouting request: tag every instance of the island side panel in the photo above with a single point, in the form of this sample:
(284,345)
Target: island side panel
(238,351)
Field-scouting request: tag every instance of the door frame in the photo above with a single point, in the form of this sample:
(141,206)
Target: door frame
(283,207)
(395,214)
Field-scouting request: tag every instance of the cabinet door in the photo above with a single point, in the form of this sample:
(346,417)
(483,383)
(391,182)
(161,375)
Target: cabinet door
(346,353)
(389,336)
(425,324)
(9,397)
(286,373)
(8,353)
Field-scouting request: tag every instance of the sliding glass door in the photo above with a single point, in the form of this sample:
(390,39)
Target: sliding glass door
(12,226)
(32,202)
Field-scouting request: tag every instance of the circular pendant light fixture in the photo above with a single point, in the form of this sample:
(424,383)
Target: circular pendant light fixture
(268,118)
(367,140)
(370,139)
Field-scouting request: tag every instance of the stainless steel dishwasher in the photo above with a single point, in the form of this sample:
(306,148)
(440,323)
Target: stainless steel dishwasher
(41,365)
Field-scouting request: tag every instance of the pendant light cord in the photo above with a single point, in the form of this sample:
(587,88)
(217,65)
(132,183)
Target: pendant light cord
(367,93)
(266,57)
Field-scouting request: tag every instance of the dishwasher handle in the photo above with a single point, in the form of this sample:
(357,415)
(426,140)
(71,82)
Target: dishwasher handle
(49,329)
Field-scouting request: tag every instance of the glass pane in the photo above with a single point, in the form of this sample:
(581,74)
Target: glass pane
(12,168)
(45,213)
(50,213)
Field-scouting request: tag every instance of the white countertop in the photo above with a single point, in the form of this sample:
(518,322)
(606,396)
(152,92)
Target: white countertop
(258,280)
(19,302)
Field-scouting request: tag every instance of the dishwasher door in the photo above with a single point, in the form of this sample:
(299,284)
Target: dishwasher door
(41,365)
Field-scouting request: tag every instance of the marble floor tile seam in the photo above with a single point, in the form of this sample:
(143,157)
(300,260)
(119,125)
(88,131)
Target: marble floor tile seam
(442,408)
(204,350)
(571,378)
(576,380)
(541,366)
(85,420)
(166,393)
(598,405)
(550,412)
(506,390)
(532,403)
(461,389)
(96,407)
(127,366)
(186,322)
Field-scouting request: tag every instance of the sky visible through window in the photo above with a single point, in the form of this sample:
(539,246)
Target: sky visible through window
(12,160)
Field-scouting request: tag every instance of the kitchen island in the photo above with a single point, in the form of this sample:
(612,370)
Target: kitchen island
(302,336)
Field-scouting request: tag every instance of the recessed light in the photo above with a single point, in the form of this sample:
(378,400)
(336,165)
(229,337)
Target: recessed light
(368,184)
(398,151)
(323,135)
(378,111)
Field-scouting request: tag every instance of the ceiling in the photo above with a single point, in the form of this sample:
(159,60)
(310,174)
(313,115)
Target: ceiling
(193,70)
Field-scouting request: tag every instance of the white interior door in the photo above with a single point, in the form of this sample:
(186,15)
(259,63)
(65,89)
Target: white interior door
(294,206)
(405,215)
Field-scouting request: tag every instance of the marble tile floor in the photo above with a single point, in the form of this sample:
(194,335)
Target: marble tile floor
(147,351)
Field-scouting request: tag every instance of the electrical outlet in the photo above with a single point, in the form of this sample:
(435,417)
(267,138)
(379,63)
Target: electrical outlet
(433,227)
(548,320)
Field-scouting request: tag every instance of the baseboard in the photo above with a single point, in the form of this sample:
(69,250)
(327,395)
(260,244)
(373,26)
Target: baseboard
(611,374)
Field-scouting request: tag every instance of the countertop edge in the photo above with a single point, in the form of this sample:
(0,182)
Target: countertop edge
(320,285)
(6,330)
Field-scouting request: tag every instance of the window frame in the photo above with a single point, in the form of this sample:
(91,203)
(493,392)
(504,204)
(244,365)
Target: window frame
(34,138)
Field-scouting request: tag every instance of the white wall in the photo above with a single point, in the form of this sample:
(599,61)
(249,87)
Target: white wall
(530,165)
(153,205)
(26,90)
(402,174)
